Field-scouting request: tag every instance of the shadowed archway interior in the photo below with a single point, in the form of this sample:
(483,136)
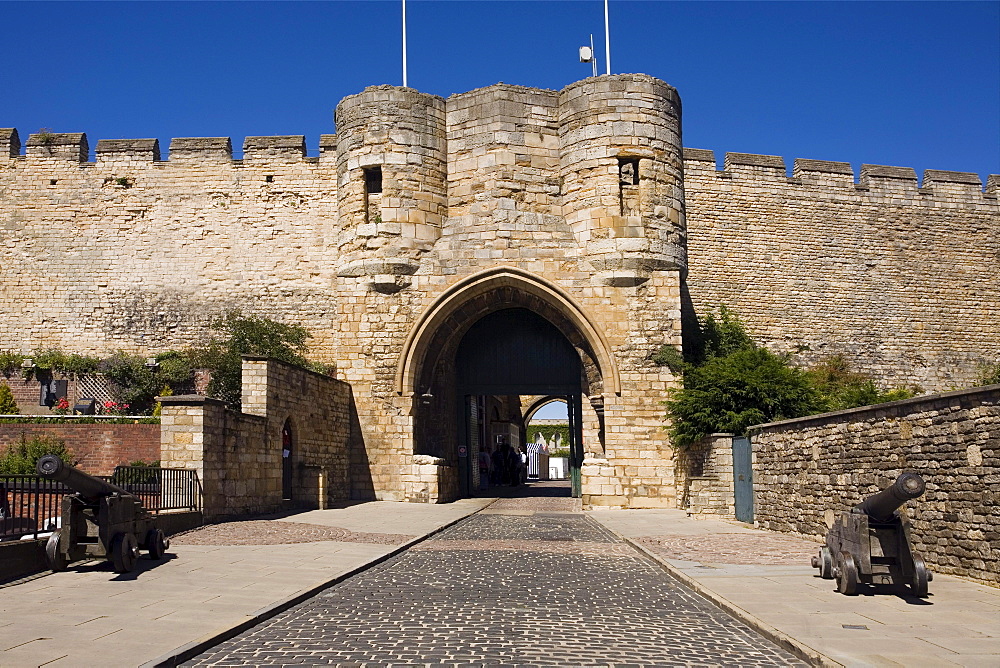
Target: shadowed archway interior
(516,351)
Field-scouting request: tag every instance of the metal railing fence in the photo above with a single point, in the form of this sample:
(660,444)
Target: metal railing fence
(159,488)
(31,505)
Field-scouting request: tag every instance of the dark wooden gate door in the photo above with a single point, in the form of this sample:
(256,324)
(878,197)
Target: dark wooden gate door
(743,478)
(574,411)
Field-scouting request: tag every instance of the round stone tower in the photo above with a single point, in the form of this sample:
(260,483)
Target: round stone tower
(621,168)
(392,181)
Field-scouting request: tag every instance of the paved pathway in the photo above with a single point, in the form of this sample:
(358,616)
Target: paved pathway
(766,579)
(213,580)
(513,585)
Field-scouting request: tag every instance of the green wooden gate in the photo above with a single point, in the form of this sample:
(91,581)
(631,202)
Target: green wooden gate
(743,478)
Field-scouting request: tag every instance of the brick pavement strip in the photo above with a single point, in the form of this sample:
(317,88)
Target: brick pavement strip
(514,600)
(757,548)
(267,532)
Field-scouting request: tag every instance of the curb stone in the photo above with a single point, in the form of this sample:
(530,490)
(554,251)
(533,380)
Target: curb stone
(783,640)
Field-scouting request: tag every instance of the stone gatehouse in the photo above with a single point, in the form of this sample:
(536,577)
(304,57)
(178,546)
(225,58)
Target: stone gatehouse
(451,256)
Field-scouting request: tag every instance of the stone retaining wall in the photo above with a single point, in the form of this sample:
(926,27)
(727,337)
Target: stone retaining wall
(238,455)
(810,469)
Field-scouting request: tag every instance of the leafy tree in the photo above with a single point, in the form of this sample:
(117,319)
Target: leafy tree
(247,335)
(7,404)
(20,458)
(733,392)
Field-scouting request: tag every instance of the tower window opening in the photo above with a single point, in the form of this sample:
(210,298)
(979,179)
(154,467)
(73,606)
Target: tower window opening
(373,180)
(628,171)
(269,178)
(628,186)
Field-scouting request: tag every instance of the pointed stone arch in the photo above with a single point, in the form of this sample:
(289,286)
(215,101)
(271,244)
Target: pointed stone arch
(499,287)
(538,404)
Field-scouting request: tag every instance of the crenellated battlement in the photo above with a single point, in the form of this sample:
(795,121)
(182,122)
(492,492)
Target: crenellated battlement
(140,150)
(58,146)
(464,109)
(874,178)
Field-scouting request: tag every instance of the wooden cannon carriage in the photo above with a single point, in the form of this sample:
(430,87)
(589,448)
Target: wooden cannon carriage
(100,520)
(871,543)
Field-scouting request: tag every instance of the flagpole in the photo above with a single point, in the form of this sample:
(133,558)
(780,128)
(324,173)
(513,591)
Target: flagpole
(607,38)
(404,43)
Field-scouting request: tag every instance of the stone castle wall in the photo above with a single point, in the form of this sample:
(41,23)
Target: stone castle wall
(577,204)
(807,471)
(902,280)
(130,252)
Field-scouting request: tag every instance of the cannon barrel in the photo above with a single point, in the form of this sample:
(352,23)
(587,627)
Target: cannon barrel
(881,507)
(53,468)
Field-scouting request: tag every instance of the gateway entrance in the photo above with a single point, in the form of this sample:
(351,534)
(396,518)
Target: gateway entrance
(505,355)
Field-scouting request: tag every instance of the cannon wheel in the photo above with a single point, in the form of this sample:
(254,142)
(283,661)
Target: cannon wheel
(918,585)
(57,560)
(156,544)
(124,552)
(825,563)
(847,574)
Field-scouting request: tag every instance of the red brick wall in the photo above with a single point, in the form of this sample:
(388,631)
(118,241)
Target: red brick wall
(96,448)
(25,394)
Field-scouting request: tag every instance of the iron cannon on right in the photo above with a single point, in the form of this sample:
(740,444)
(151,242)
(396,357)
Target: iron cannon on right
(871,543)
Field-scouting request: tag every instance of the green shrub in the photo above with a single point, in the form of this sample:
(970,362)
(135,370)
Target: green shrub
(20,457)
(247,335)
(840,388)
(731,384)
(10,362)
(669,357)
(736,391)
(989,374)
(7,404)
(137,384)
(55,360)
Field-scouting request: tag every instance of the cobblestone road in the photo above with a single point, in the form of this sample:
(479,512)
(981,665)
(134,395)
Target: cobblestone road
(521,590)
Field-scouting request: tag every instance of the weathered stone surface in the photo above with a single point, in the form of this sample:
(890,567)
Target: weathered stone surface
(808,470)
(422,215)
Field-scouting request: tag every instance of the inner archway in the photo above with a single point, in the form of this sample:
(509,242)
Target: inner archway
(504,355)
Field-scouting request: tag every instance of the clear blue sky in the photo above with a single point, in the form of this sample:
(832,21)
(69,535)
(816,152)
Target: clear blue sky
(895,83)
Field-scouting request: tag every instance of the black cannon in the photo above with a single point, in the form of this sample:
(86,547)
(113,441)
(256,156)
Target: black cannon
(100,520)
(871,543)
